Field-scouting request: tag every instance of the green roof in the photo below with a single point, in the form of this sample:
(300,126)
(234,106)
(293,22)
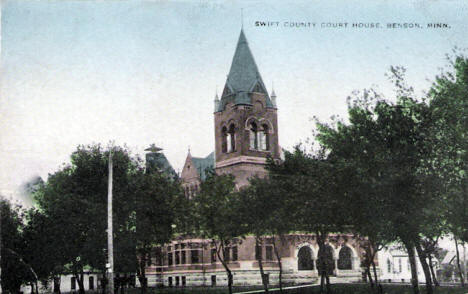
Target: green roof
(244,77)
(158,161)
(202,164)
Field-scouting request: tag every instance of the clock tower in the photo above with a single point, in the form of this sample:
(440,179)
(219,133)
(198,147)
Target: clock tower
(246,124)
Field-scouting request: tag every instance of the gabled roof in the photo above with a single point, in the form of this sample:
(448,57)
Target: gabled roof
(189,170)
(202,164)
(195,167)
(243,78)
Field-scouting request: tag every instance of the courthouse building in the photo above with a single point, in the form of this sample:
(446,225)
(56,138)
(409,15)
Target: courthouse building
(246,132)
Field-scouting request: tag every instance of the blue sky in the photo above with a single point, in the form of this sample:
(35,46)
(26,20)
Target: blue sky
(138,72)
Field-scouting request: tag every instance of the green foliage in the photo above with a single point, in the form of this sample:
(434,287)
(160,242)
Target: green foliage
(315,188)
(39,249)
(14,270)
(449,106)
(397,194)
(263,209)
(74,201)
(216,207)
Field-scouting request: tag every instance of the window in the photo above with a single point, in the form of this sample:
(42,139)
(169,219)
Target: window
(234,253)
(213,281)
(231,146)
(253,136)
(177,256)
(180,254)
(259,138)
(73,283)
(389,265)
(344,258)
(228,142)
(408,264)
(226,254)
(269,252)
(169,258)
(224,138)
(177,281)
(304,259)
(184,259)
(266,278)
(399,265)
(258,252)
(91,283)
(213,255)
(194,254)
(169,281)
(184,281)
(264,138)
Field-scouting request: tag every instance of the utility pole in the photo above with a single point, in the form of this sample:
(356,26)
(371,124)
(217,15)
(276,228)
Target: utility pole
(1,208)
(464,260)
(110,236)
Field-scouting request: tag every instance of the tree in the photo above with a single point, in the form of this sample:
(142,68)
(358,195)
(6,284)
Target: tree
(254,215)
(449,105)
(75,199)
(316,186)
(215,210)
(155,196)
(38,249)
(15,271)
(265,213)
(354,144)
(391,148)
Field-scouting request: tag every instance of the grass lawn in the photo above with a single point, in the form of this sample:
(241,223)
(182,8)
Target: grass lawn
(387,289)
(336,289)
(190,290)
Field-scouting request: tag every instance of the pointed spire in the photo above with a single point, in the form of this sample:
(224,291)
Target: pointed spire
(273,95)
(216,101)
(244,72)
(243,77)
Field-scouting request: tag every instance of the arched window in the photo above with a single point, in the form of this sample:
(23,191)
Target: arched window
(231,139)
(344,258)
(264,138)
(304,259)
(253,136)
(224,138)
(327,263)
